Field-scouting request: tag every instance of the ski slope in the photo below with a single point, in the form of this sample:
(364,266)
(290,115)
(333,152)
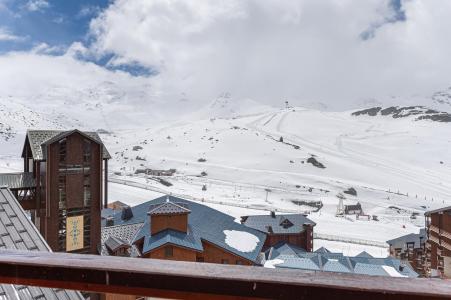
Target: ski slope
(233,159)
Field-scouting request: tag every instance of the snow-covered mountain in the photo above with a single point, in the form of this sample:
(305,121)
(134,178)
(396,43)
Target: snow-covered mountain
(245,154)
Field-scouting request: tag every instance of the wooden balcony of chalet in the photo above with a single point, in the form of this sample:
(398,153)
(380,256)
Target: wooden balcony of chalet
(189,280)
(23,186)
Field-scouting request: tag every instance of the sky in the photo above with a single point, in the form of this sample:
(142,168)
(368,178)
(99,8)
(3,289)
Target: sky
(336,52)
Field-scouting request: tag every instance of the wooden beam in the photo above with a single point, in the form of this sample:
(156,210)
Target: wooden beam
(105,205)
(189,280)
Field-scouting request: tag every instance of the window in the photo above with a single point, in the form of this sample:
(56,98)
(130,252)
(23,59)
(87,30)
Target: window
(62,191)
(224,261)
(86,151)
(63,150)
(168,251)
(87,190)
(239,262)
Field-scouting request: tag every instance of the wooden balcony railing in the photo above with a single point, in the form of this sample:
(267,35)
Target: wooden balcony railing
(188,280)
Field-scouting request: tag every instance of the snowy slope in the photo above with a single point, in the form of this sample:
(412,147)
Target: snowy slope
(230,155)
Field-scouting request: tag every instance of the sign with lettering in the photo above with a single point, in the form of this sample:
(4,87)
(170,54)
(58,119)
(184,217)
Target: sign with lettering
(74,233)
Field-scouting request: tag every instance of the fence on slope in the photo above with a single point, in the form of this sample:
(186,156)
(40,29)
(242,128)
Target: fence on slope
(337,238)
(198,199)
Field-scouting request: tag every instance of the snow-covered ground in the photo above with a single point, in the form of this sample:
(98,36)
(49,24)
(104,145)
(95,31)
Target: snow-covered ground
(245,161)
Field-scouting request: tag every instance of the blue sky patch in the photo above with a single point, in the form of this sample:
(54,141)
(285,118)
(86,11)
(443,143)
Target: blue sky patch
(398,14)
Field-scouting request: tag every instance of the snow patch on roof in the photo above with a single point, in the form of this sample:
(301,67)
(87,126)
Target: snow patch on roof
(241,240)
(392,271)
(272,263)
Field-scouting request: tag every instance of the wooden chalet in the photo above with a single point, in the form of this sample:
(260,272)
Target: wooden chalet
(176,229)
(438,246)
(295,229)
(64,186)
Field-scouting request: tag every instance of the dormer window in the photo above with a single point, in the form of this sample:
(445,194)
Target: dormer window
(285,223)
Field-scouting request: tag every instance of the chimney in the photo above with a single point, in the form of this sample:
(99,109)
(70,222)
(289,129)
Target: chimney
(109,221)
(127,213)
(273,214)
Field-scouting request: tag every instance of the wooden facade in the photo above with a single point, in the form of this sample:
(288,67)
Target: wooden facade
(438,246)
(179,221)
(187,280)
(415,256)
(302,239)
(68,184)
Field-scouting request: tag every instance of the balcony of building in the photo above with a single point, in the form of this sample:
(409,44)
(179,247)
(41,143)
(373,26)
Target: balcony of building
(189,280)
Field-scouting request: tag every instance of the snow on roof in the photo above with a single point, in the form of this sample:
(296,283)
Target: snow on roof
(241,240)
(272,263)
(392,271)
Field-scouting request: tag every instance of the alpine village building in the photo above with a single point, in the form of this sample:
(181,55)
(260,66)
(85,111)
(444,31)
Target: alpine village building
(438,245)
(294,229)
(411,248)
(177,229)
(66,168)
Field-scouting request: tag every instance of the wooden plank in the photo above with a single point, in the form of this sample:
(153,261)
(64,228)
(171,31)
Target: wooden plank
(188,280)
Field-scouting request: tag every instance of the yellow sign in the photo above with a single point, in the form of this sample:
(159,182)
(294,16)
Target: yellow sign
(74,233)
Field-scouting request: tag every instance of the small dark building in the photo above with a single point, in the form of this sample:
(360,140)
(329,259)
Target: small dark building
(295,229)
(65,203)
(353,209)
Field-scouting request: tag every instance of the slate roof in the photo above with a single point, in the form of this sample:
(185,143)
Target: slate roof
(297,258)
(275,224)
(189,240)
(17,180)
(18,232)
(113,243)
(168,208)
(124,232)
(401,242)
(37,138)
(204,223)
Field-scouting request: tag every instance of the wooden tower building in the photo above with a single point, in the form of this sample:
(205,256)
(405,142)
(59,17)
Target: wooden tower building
(69,169)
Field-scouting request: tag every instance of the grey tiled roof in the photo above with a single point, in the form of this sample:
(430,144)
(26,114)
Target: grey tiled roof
(113,243)
(416,238)
(17,180)
(187,240)
(18,232)
(297,258)
(168,208)
(125,232)
(39,137)
(268,223)
(204,223)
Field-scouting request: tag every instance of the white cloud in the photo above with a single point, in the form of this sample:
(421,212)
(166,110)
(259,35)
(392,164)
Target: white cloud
(37,5)
(271,50)
(6,35)
(88,10)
